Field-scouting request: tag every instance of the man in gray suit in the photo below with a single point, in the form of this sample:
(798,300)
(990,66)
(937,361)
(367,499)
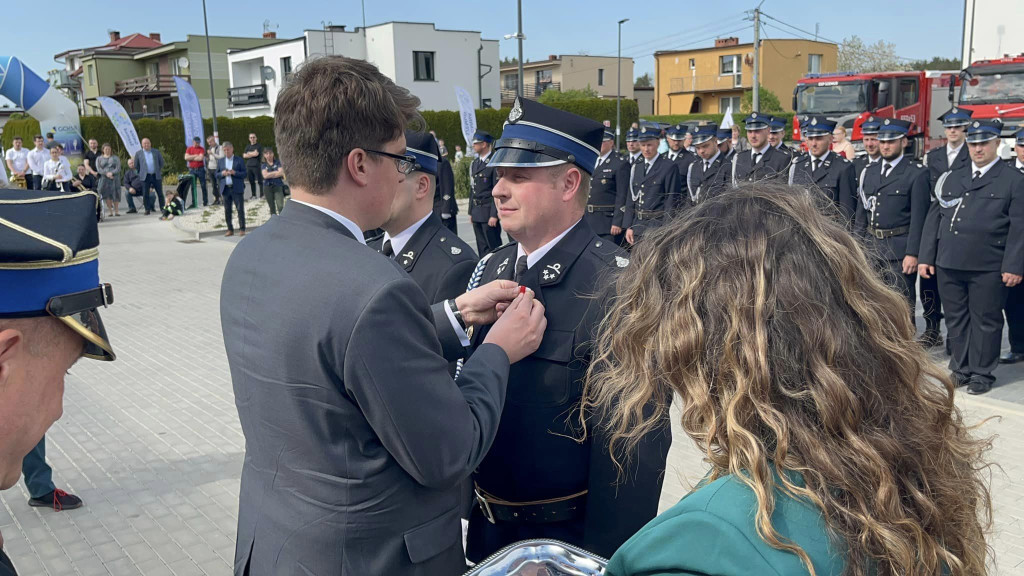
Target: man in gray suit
(357,439)
(150,164)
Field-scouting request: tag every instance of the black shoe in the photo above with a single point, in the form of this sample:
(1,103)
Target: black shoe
(132,212)
(960,379)
(216,202)
(979,386)
(59,500)
(931,338)
(1011,357)
(148,212)
(205,204)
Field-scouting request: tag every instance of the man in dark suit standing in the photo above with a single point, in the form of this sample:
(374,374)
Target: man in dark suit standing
(608,191)
(150,164)
(823,169)
(445,204)
(893,205)
(761,161)
(482,211)
(654,190)
(357,438)
(974,241)
(709,174)
(438,260)
(544,477)
(231,183)
(953,156)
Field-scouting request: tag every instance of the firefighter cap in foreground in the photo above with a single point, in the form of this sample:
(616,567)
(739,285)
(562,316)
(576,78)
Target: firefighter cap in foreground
(983,130)
(536,135)
(893,129)
(49,263)
(648,132)
(776,125)
(756,121)
(705,133)
(816,126)
(956,117)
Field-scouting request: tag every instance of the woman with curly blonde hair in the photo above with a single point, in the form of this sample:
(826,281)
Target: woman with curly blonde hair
(834,443)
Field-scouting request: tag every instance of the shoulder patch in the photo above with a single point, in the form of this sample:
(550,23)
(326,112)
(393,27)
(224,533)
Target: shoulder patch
(609,252)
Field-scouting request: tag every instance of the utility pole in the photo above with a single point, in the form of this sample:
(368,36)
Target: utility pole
(519,37)
(209,63)
(618,88)
(364,14)
(757,58)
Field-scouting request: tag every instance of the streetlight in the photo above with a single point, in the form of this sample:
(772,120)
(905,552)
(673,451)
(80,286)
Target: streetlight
(209,64)
(520,37)
(618,88)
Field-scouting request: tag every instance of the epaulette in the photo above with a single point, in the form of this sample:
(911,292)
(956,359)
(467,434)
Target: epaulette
(502,247)
(449,248)
(609,252)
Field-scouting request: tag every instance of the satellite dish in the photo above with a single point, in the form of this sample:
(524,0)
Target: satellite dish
(267,72)
(183,62)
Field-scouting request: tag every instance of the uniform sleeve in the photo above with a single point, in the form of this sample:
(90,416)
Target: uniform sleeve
(1013,257)
(847,193)
(455,280)
(621,193)
(672,188)
(860,214)
(929,236)
(920,196)
(692,543)
(438,431)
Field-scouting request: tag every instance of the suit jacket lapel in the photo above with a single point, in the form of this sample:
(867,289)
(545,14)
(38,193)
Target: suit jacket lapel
(552,268)
(413,249)
(894,174)
(823,170)
(987,177)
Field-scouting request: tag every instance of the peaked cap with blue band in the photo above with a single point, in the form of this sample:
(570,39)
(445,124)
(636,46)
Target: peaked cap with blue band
(984,130)
(677,132)
(724,134)
(631,135)
(757,121)
(424,147)
(704,133)
(481,136)
(648,132)
(817,125)
(776,124)
(536,135)
(49,262)
(608,134)
(871,125)
(956,117)
(893,129)
(1020,137)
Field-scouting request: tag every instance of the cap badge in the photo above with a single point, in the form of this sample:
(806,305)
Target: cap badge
(643,130)
(871,118)
(753,114)
(814,121)
(517,112)
(456,250)
(956,110)
(887,121)
(977,124)
(621,262)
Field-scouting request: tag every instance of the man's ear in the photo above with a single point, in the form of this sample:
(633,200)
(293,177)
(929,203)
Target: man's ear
(357,164)
(571,183)
(12,343)
(423,187)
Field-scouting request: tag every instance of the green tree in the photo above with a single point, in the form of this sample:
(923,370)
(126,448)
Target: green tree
(936,63)
(769,102)
(509,61)
(556,98)
(644,81)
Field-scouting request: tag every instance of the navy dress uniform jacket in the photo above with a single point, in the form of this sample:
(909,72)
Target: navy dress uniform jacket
(770,165)
(938,162)
(357,441)
(654,196)
(536,454)
(835,178)
(901,200)
(444,193)
(985,231)
(609,188)
(702,184)
(481,203)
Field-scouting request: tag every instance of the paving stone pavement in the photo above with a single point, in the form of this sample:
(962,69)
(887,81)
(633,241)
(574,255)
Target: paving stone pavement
(152,443)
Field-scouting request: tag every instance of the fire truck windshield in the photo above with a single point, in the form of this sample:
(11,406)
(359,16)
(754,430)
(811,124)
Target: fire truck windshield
(832,98)
(992,88)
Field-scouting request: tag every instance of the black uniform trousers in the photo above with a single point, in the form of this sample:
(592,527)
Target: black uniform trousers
(487,238)
(904,283)
(974,319)
(1014,310)
(931,301)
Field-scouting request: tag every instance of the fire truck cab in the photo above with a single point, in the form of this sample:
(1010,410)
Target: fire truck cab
(995,89)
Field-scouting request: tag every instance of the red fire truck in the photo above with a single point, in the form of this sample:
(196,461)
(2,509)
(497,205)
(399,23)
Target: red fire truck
(850,97)
(995,89)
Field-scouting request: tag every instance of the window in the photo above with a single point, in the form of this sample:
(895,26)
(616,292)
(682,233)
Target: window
(543,76)
(693,63)
(907,94)
(729,65)
(286,66)
(423,66)
(600,76)
(511,81)
(153,68)
(725,103)
(92,74)
(814,63)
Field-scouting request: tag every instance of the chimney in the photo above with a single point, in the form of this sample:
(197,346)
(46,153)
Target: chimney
(552,56)
(723,42)
(154,36)
(114,36)
(269,34)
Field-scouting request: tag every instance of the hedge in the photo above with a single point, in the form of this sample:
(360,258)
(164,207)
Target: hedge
(168,135)
(461,169)
(717,118)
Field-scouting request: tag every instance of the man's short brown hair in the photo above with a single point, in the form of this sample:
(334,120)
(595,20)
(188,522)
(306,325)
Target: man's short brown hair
(331,106)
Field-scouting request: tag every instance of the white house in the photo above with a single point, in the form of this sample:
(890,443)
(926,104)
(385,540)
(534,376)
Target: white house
(418,56)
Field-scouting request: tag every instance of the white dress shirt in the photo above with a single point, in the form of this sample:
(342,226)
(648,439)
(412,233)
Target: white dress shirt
(1018,164)
(350,225)
(984,169)
(952,153)
(761,152)
(535,256)
(601,159)
(892,163)
(37,159)
(399,241)
(57,170)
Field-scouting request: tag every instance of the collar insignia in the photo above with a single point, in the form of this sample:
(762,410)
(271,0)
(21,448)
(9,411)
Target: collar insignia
(456,250)
(551,272)
(501,267)
(621,262)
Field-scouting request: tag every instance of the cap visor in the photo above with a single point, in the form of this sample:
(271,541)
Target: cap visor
(519,158)
(982,137)
(889,136)
(89,326)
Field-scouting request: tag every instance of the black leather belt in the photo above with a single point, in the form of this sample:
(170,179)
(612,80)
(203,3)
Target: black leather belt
(481,202)
(649,214)
(882,234)
(600,208)
(537,512)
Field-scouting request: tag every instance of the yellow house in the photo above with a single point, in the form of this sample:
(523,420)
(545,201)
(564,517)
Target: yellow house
(709,80)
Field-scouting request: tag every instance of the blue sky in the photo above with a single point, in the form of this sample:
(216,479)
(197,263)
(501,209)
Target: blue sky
(919,28)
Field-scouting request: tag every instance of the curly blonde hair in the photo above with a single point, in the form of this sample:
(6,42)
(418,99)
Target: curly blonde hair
(788,352)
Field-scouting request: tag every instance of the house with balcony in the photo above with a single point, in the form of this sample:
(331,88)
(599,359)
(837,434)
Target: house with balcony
(710,80)
(83,67)
(141,77)
(428,61)
(567,72)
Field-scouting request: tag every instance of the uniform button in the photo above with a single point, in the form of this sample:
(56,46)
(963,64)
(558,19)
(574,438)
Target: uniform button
(956,232)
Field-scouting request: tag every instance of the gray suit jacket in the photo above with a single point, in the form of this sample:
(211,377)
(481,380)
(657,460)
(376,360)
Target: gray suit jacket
(357,439)
(158,159)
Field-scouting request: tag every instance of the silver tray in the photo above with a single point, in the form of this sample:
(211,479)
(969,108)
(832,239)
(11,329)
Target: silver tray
(540,558)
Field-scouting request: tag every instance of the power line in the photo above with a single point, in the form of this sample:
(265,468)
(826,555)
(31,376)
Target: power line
(806,35)
(681,46)
(694,30)
(862,51)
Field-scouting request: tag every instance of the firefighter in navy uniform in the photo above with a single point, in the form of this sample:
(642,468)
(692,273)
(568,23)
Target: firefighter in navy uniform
(725,144)
(633,146)
(654,190)
(1014,308)
(761,161)
(542,478)
(823,169)
(482,211)
(609,189)
(709,174)
(953,156)
(892,207)
(974,242)
(445,205)
(677,152)
(415,237)
(869,131)
(777,136)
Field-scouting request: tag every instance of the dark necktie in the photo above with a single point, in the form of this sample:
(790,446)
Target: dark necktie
(977,174)
(520,268)
(706,165)
(757,157)
(387,250)
(817,164)
(886,168)
(647,168)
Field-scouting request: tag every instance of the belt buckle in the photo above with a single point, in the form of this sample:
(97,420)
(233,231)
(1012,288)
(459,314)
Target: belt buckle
(590,208)
(485,506)
(880,234)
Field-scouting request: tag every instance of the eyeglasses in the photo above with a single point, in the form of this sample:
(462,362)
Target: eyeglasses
(405,164)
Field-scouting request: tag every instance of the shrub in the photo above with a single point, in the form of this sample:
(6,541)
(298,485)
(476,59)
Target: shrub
(461,170)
